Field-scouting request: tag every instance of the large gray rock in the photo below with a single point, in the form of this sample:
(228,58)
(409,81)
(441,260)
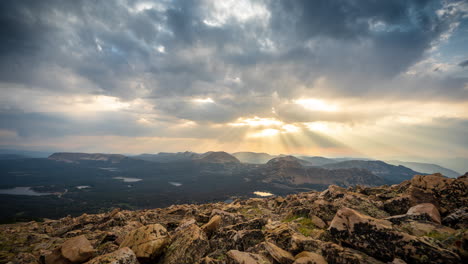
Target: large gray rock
(377,238)
(122,256)
(147,242)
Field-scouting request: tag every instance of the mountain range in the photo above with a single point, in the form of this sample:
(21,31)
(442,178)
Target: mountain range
(73,183)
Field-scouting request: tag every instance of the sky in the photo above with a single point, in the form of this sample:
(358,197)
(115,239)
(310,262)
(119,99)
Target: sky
(380,79)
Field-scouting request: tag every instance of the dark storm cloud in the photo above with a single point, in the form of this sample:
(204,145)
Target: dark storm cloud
(463,64)
(117,49)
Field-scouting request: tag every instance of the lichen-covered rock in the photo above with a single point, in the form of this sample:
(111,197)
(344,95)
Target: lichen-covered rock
(377,238)
(77,249)
(147,242)
(397,205)
(457,219)
(335,253)
(121,256)
(188,245)
(239,257)
(447,194)
(426,208)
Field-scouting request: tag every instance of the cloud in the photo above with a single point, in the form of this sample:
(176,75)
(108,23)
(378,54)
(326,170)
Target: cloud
(250,58)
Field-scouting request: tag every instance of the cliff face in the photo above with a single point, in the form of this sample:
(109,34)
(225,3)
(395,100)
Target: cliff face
(423,220)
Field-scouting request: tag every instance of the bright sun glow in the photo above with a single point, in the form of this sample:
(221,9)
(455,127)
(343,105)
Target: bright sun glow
(265,133)
(100,103)
(257,121)
(318,126)
(203,100)
(316,105)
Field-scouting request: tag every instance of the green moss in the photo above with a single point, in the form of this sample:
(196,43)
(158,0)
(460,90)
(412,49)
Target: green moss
(306,226)
(438,236)
(251,212)
(221,257)
(293,217)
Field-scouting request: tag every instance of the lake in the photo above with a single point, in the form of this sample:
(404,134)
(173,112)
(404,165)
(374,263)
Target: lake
(22,191)
(127,179)
(263,194)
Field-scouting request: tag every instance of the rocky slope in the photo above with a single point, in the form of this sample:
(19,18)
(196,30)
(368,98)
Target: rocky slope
(423,220)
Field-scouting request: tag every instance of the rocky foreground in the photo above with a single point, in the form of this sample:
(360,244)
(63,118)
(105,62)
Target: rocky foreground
(423,220)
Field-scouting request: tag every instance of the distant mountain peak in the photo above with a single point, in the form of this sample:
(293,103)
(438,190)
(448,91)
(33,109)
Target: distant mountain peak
(218,157)
(289,161)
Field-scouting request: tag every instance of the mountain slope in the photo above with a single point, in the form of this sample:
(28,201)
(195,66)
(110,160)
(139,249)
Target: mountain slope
(165,157)
(317,161)
(289,170)
(390,173)
(72,157)
(426,168)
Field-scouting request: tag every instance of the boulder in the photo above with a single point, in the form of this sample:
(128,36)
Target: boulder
(306,257)
(212,225)
(239,257)
(279,254)
(188,245)
(426,208)
(379,239)
(447,194)
(121,256)
(77,249)
(147,242)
